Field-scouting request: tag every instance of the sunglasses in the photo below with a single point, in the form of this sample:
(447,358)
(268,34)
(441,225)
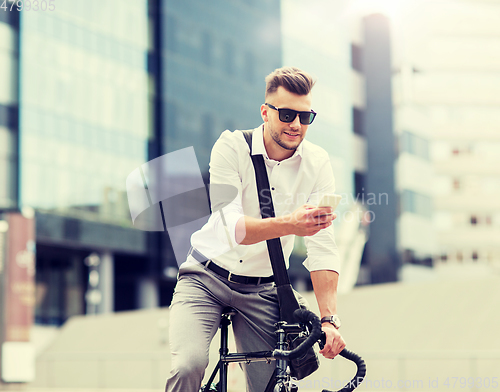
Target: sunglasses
(289,115)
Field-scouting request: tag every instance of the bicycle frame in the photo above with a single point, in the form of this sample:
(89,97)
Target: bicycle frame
(280,355)
(263,356)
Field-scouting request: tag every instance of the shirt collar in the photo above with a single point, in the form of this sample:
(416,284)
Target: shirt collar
(258,147)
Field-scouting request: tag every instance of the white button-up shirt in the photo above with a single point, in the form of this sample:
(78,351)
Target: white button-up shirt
(302,178)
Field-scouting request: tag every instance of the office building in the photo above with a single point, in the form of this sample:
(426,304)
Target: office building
(350,54)
(78,124)
(92,92)
(214,59)
(449,85)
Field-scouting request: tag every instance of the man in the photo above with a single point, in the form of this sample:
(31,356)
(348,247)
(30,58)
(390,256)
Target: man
(235,240)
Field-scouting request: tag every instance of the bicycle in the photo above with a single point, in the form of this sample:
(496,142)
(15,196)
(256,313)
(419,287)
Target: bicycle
(308,324)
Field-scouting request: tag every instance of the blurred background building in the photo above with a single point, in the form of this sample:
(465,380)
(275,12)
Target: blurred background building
(446,93)
(89,92)
(354,97)
(85,102)
(213,61)
(9,25)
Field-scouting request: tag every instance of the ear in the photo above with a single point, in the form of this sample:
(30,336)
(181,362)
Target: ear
(263,112)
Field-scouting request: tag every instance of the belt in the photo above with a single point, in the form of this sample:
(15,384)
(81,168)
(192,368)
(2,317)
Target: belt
(225,273)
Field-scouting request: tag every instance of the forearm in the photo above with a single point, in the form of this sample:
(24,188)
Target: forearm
(252,230)
(304,221)
(325,288)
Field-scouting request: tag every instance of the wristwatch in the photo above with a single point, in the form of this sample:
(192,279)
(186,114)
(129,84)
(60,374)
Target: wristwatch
(334,320)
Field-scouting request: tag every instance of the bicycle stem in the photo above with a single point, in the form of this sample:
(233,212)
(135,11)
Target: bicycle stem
(281,364)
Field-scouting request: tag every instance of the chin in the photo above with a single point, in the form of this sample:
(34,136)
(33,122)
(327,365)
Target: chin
(290,146)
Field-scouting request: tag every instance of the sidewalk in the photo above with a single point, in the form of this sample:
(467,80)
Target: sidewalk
(87,390)
(28,389)
(21,388)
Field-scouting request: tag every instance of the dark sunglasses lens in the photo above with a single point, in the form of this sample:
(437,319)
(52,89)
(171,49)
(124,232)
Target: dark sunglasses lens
(307,118)
(287,115)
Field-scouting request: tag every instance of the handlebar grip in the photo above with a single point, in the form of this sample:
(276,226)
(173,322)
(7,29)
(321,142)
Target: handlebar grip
(316,334)
(360,373)
(305,316)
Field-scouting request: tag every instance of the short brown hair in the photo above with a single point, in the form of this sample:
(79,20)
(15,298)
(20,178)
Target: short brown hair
(291,79)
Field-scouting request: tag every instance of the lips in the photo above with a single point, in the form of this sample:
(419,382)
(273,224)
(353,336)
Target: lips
(292,135)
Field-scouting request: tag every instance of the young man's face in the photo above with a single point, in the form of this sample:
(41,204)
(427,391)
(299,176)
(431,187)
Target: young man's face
(282,138)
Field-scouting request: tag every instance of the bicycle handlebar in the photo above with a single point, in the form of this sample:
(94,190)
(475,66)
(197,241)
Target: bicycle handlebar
(360,372)
(306,316)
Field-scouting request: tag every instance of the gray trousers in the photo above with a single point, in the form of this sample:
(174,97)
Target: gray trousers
(195,313)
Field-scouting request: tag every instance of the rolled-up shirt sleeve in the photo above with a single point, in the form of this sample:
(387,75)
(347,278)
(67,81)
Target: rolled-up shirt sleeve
(225,201)
(322,251)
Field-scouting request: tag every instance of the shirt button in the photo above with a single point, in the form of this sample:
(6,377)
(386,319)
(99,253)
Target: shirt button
(272,188)
(241,261)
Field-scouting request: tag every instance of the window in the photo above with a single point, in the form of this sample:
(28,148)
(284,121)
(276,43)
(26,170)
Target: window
(207,129)
(462,149)
(229,63)
(414,145)
(8,117)
(171,31)
(359,185)
(171,117)
(416,203)
(357,121)
(356,57)
(230,125)
(249,67)
(207,49)
(10,17)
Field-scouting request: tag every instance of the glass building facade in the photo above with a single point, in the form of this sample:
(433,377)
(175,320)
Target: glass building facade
(217,55)
(93,90)
(84,125)
(9,54)
(214,59)
(84,106)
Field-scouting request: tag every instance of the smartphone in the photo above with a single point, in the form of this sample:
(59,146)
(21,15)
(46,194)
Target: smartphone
(330,200)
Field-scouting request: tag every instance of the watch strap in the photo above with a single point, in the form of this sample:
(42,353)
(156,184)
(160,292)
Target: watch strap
(331,320)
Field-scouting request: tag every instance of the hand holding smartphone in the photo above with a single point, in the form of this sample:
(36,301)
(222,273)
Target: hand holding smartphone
(330,200)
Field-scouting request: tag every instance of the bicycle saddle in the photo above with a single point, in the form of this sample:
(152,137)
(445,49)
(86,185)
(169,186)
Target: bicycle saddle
(229,311)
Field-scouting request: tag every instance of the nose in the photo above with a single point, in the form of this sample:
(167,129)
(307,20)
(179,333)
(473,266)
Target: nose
(295,124)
